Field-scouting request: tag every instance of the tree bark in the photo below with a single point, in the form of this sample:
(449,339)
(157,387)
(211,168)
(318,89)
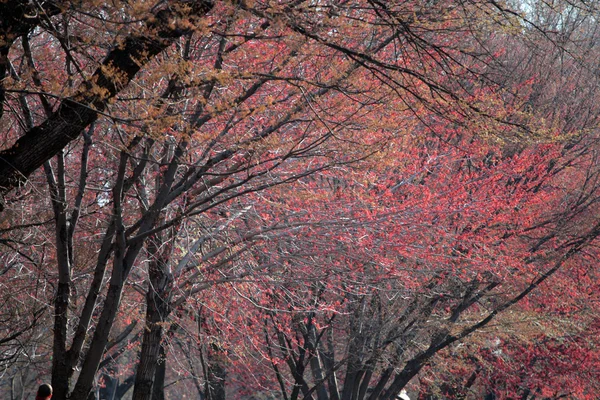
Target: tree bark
(216,374)
(213,361)
(157,312)
(158,389)
(99,341)
(328,355)
(61,369)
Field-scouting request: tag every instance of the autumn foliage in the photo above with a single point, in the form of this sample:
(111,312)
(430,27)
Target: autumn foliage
(299,199)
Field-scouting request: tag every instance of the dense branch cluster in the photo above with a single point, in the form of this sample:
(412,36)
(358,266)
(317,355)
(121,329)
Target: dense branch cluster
(338,200)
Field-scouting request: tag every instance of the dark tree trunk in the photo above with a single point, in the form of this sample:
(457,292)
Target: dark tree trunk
(61,369)
(214,363)
(3,69)
(157,312)
(158,389)
(316,364)
(99,341)
(329,363)
(216,374)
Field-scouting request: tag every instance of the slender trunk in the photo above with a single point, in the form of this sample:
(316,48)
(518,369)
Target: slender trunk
(356,349)
(353,375)
(121,264)
(157,311)
(364,386)
(91,298)
(356,384)
(214,363)
(99,341)
(217,373)
(3,69)
(316,364)
(60,364)
(383,380)
(411,369)
(329,362)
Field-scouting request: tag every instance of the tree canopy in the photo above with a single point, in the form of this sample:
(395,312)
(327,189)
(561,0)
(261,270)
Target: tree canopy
(299,199)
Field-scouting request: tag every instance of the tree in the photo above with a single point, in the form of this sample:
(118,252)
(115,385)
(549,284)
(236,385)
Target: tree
(174,126)
(395,309)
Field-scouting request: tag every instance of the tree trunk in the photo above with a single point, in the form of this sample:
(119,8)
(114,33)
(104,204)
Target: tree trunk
(316,364)
(158,389)
(61,369)
(157,311)
(328,356)
(216,374)
(99,341)
(213,363)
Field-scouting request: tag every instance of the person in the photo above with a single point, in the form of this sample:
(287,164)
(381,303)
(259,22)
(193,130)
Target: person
(44,392)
